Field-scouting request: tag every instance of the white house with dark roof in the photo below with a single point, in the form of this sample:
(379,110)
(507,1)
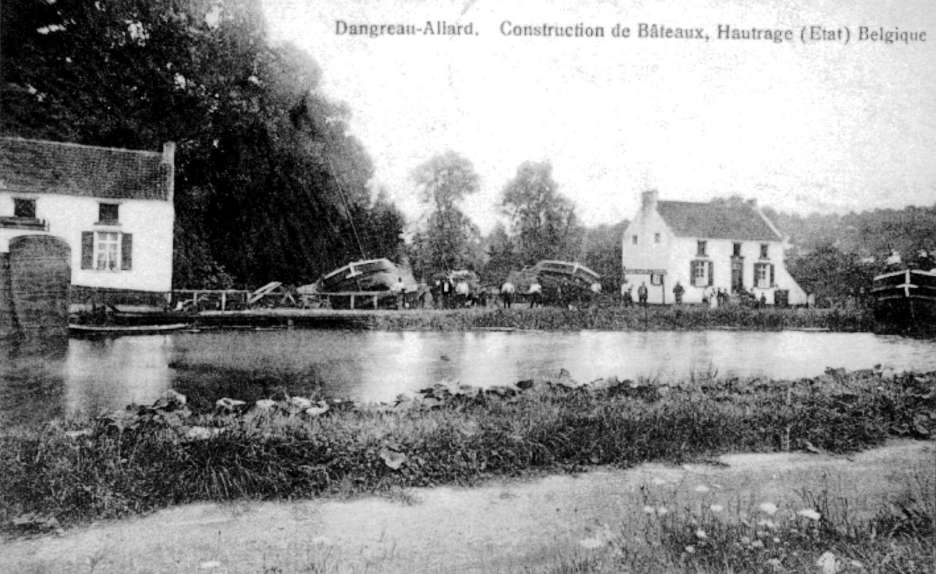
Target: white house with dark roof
(705,247)
(112,206)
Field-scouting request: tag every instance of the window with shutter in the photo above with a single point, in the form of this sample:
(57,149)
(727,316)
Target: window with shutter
(700,273)
(763,275)
(106,250)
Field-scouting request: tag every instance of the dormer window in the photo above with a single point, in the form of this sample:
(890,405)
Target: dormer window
(736,250)
(25,208)
(700,248)
(763,251)
(108,213)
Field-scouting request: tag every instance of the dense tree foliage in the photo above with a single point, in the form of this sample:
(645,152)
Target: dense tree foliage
(601,251)
(543,220)
(836,256)
(270,184)
(500,256)
(450,239)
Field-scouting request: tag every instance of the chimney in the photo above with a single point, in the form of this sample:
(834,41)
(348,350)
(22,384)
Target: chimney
(648,200)
(168,154)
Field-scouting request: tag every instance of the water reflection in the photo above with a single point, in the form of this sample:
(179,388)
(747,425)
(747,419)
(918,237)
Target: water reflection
(31,378)
(42,379)
(111,373)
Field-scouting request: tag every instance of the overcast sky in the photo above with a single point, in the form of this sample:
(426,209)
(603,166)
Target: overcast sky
(820,127)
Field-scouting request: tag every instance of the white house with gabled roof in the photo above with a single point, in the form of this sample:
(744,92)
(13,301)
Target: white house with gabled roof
(727,245)
(114,208)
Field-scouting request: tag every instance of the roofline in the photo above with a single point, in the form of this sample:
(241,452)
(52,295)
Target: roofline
(769,223)
(84,146)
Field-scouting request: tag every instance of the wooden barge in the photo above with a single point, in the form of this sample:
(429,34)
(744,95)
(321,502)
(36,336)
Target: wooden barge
(905,300)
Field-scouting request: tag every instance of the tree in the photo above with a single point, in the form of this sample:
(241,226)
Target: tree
(543,221)
(501,256)
(833,276)
(601,251)
(450,240)
(382,232)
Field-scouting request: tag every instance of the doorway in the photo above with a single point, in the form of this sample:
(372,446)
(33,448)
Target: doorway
(737,274)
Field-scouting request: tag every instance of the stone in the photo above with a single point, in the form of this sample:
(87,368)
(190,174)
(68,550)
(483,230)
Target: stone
(525,384)
(604,384)
(79,433)
(36,522)
(392,458)
(319,409)
(201,433)
(299,403)
(229,405)
(170,400)
(501,391)
(265,405)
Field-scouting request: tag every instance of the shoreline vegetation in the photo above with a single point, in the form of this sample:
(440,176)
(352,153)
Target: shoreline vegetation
(601,316)
(617,318)
(67,473)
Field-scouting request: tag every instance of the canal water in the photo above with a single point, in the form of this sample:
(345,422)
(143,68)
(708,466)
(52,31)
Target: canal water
(40,380)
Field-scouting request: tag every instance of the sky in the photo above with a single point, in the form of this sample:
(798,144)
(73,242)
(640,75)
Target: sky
(820,126)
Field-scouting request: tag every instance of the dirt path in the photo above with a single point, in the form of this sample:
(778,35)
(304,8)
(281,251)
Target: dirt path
(499,527)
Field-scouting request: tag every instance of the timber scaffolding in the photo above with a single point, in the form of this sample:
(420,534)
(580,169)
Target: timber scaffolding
(275,306)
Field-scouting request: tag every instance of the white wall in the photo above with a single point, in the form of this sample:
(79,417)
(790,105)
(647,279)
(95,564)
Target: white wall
(673,254)
(150,222)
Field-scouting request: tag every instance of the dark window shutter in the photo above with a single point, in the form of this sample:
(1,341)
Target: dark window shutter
(126,251)
(692,272)
(772,275)
(87,250)
(711,274)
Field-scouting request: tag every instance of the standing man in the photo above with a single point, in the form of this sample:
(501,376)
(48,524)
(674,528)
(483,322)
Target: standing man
(398,291)
(678,291)
(642,294)
(627,298)
(536,294)
(507,292)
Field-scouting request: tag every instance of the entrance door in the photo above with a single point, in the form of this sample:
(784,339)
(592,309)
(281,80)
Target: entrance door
(737,274)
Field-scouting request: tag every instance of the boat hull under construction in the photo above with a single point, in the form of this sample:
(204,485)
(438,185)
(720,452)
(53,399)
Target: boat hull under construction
(361,277)
(561,281)
(905,300)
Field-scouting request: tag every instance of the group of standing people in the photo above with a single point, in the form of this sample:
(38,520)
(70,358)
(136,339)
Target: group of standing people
(713,297)
(627,298)
(508,292)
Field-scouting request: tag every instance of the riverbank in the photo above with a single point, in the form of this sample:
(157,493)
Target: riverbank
(608,317)
(145,458)
(617,318)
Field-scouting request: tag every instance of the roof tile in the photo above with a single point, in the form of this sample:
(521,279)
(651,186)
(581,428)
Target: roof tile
(716,220)
(37,166)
